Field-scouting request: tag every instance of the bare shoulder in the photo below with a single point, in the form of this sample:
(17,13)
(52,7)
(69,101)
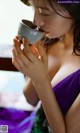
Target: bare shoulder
(72,118)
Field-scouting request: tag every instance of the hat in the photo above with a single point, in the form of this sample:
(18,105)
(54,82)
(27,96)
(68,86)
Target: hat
(27,2)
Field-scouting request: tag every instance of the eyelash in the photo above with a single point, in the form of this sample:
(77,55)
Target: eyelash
(42,14)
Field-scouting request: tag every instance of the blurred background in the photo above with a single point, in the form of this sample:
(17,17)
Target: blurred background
(11,12)
(11,81)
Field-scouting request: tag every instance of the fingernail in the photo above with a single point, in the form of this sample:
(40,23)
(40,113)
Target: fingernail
(23,40)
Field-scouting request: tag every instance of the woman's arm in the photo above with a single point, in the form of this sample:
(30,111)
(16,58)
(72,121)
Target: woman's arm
(37,69)
(50,105)
(29,89)
(30,93)
(72,118)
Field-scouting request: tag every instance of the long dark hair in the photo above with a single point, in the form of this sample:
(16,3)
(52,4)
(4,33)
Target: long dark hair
(74,11)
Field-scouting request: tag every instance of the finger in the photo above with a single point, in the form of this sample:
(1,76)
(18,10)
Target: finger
(30,55)
(16,41)
(34,50)
(17,37)
(15,61)
(22,67)
(26,45)
(15,57)
(16,65)
(20,55)
(42,51)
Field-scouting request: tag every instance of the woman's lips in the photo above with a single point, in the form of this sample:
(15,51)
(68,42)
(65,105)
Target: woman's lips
(46,32)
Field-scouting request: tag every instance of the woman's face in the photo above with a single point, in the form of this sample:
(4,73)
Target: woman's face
(48,20)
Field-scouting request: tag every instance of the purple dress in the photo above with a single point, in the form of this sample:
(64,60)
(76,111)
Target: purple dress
(67,90)
(19,121)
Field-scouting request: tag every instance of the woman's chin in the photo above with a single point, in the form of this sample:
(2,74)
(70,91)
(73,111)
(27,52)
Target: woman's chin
(50,36)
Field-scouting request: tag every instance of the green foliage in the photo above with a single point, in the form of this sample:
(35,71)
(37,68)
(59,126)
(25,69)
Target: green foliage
(39,122)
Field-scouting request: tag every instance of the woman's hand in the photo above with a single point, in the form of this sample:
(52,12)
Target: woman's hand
(27,62)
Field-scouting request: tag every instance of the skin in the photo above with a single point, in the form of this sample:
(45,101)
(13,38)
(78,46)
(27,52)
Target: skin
(53,66)
(55,23)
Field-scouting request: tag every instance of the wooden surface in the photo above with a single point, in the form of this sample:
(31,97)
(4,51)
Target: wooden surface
(6,58)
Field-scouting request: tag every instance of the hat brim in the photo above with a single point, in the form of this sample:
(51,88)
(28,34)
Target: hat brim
(26,2)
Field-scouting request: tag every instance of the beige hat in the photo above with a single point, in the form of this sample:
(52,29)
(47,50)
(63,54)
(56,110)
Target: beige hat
(27,2)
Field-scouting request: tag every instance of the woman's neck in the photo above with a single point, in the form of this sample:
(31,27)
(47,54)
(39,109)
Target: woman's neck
(67,40)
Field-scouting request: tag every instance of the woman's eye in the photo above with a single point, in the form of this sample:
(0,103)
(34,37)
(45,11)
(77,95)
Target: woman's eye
(42,12)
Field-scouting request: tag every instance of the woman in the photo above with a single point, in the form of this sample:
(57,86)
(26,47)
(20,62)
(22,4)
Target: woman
(54,79)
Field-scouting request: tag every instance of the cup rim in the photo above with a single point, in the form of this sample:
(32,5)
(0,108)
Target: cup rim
(30,27)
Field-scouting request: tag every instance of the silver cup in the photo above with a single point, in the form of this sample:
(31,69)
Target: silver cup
(30,31)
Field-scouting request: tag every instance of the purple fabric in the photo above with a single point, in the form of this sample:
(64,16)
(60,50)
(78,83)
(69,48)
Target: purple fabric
(67,90)
(18,121)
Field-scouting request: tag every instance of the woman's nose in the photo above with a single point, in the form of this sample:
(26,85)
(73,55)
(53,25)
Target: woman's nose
(38,22)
